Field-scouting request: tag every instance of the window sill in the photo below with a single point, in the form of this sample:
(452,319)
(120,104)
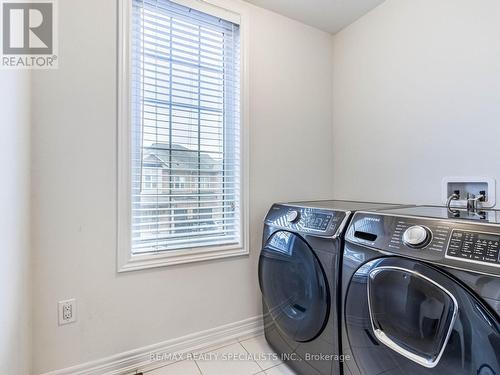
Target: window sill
(174,257)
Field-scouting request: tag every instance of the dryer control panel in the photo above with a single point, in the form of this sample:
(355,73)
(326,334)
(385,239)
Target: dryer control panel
(458,244)
(306,220)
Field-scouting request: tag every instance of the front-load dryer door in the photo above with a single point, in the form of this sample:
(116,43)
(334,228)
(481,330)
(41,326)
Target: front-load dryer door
(294,286)
(405,317)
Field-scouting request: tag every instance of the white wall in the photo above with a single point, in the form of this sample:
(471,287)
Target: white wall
(416,98)
(74,185)
(15,279)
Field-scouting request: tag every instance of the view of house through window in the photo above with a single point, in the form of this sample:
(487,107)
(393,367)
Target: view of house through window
(185,128)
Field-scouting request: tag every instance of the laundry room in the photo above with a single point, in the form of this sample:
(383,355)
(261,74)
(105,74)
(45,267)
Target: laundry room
(211,187)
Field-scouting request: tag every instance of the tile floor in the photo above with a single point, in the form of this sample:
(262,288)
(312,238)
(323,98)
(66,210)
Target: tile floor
(250,347)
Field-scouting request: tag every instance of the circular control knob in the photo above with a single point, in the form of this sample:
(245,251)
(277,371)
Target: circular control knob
(416,236)
(292,216)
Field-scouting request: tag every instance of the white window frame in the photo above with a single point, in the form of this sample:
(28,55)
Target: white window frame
(126,261)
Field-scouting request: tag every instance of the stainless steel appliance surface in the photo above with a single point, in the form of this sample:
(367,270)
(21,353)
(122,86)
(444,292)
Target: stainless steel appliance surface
(420,292)
(299,278)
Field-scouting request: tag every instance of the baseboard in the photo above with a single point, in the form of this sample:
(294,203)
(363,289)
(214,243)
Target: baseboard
(140,359)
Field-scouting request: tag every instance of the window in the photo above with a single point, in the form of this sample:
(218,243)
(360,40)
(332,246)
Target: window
(152,178)
(181,197)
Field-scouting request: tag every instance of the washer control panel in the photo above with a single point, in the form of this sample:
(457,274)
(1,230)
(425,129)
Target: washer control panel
(458,244)
(416,236)
(474,246)
(407,233)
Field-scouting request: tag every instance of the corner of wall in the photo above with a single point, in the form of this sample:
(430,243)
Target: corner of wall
(15,268)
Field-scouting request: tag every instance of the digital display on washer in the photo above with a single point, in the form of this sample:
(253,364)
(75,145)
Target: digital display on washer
(475,246)
(317,221)
(487,237)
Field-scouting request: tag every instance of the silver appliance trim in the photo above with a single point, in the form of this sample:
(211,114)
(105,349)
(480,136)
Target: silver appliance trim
(390,343)
(343,224)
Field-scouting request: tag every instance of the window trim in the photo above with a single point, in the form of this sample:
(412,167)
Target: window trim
(126,261)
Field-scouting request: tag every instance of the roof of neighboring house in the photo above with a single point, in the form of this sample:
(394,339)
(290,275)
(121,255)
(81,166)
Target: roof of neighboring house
(182,157)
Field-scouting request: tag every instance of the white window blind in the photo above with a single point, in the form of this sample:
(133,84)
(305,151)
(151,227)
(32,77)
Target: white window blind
(185,118)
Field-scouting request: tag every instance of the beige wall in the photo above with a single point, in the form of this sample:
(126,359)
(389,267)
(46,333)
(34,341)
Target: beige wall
(15,277)
(74,188)
(416,98)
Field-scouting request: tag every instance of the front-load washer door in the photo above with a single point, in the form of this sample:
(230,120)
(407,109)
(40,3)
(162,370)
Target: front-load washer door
(294,286)
(405,317)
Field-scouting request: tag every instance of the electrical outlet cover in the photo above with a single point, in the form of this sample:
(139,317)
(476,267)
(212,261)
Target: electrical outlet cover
(67,311)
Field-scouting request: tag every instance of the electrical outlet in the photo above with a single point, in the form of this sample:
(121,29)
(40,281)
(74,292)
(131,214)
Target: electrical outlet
(67,311)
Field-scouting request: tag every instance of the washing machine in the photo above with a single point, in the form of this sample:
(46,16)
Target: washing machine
(299,279)
(421,292)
